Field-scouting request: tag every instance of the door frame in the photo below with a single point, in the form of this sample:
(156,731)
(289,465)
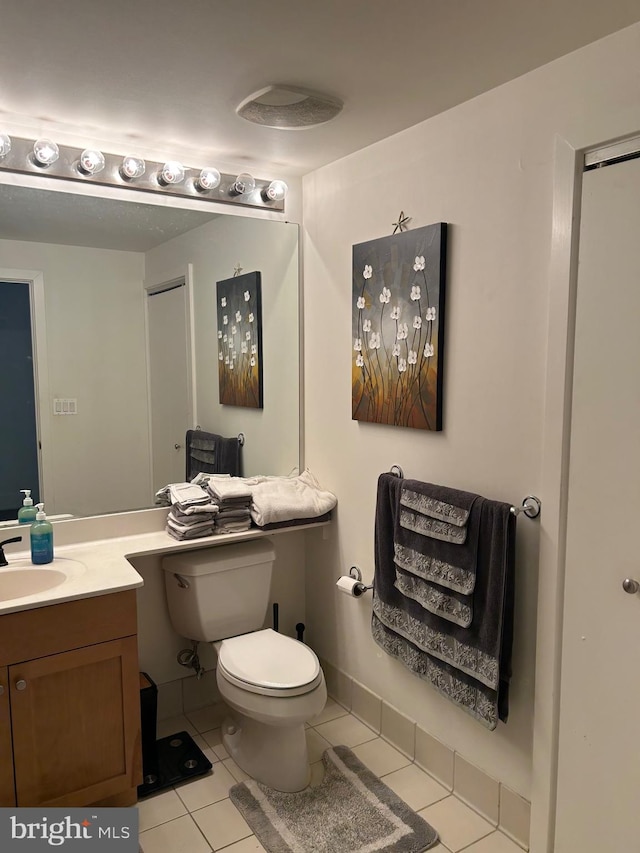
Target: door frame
(35,280)
(562,290)
(156,284)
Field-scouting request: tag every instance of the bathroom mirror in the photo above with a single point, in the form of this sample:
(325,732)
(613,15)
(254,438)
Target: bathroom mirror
(123,318)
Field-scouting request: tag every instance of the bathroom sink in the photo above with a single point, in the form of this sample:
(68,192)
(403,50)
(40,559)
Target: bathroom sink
(21,578)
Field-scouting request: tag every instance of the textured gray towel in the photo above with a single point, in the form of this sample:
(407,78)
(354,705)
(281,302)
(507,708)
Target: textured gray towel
(472,666)
(210,453)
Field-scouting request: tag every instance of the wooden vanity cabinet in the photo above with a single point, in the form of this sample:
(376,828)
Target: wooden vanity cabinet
(7,791)
(74,704)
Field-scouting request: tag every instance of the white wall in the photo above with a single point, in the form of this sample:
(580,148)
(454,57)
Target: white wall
(214,249)
(96,353)
(485,167)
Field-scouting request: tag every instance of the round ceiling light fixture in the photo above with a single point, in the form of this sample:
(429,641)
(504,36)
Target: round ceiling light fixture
(288,108)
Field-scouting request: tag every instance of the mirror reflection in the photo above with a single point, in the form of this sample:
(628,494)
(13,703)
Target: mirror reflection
(109,346)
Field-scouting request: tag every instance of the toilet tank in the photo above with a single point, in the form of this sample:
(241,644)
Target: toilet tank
(215,593)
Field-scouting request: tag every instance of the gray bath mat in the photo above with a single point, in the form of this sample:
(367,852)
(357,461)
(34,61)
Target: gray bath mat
(350,811)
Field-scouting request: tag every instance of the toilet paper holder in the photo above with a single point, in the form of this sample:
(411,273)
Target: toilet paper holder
(356,574)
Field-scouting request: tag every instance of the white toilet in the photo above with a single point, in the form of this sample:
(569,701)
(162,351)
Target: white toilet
(272,683)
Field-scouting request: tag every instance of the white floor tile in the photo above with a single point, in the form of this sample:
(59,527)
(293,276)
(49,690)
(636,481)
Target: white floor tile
(178,836)
(174,724)
(205,719)
(331,711)
(160,808)
(222,824)
(207,789)
(415,787)
(456,824)
(316,745)
(494,843)
(237,772)
(247,845)
(214,739)
(345,730)
(380,757)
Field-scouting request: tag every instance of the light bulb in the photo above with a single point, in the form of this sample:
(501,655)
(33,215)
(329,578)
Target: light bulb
(244,183)
(132,167)
(45,151)
(208,179)
(172,172)
(5,144)
(91,161)
(276,191)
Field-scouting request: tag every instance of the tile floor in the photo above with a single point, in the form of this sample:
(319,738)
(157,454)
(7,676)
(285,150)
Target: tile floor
(198,816)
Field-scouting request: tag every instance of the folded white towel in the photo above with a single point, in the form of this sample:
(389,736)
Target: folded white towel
(188,494)
(231,488)
(277,499)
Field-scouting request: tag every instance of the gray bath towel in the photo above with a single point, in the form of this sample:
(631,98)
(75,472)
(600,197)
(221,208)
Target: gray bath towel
(212,454)
(471,666)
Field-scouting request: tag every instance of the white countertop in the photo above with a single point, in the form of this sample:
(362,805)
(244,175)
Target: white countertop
(105,563)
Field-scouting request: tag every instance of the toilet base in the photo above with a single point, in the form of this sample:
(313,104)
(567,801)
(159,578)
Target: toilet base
(274,755)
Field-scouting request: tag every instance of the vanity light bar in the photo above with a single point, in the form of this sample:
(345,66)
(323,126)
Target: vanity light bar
(30,157)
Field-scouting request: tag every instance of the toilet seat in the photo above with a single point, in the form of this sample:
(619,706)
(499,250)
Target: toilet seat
(270,664)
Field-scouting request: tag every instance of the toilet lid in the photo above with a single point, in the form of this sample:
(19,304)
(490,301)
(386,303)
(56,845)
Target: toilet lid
(268,659)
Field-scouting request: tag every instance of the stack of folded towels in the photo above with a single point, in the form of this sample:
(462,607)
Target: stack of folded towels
(233,499)
(192,514)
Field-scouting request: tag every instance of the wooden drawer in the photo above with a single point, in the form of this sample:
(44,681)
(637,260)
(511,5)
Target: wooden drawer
(31,634)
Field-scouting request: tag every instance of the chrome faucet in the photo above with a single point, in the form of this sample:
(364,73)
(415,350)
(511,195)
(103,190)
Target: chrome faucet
(3,559)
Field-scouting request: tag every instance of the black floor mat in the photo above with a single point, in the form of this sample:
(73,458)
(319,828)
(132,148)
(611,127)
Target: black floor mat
(177,758)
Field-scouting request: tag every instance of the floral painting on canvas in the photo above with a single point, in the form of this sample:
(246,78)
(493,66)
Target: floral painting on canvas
(398,328)
(239,310)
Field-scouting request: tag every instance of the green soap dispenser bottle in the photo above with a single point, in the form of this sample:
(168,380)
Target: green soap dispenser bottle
(41,539)
(27,513)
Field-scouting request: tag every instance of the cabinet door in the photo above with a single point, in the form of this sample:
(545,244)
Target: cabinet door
(7,791)
(76,725)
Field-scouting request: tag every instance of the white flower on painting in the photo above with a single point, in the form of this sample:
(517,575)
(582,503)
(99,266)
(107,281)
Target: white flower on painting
(395,351)
(243,347)
(415,292)
(231,365)
(220,357)
(412,358)
(238,317)
(428,350)
(252,362)
(225,320)
(219,333)
(254,349)
(403,331)
(402,365)
(226,359)
(247,296)
(366,326)
(374,340)
(223,302)
(431,314)
(419,264)
(251,317)
(395,312)
(247,336)
(224,339)
(359,360)
(233,330)
(360,302)
(368,271)
(385,296)
(357,344)
(417,322)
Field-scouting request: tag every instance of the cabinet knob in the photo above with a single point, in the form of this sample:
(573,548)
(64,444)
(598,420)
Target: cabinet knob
(630,585)
(1,689)
(21,684)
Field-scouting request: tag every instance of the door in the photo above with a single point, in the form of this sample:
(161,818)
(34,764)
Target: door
(169,381)
(599,739)
(76,725)
(18,468)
